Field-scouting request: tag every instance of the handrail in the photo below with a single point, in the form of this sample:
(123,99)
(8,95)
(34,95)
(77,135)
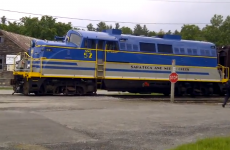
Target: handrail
(27,54)
(41,66)
(30,58)
(224,71)
(14,60)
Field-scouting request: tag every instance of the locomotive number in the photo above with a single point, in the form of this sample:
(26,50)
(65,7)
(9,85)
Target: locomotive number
(88,54)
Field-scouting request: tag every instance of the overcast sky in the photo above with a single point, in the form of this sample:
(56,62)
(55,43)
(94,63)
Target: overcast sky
(143,11)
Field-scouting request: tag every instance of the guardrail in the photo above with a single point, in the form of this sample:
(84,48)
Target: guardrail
(224,71)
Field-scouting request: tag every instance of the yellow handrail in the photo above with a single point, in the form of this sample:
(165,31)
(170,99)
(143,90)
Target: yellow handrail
(96,62)
(30,58)
(27,54)
(41,66)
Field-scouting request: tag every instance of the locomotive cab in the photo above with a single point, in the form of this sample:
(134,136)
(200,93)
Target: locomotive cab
(223,55)
(223,59)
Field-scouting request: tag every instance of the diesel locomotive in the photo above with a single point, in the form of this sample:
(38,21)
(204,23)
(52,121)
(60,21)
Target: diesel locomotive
(84,61)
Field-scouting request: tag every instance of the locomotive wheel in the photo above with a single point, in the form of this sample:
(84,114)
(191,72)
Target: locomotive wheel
(40,92)
(79,91)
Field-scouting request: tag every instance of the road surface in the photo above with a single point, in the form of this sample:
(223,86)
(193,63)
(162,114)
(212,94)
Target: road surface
(104,123)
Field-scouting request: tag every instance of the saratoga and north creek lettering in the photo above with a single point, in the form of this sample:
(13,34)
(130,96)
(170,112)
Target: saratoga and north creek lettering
(157,68)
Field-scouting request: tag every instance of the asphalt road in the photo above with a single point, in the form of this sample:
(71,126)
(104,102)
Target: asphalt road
(69,123)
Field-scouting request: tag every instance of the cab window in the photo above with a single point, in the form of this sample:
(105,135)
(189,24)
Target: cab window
(112,45)
(89,43)
(76,39)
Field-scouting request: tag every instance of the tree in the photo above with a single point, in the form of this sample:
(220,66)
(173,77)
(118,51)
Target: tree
(225,32)
(218,31)
(62,28)
(145,31)
(152,33)
(90,27)
(212,33)
(217,21)
(14,27)
(45,28)
(109,27)
(176,32)
(191,32)
(161,32)
(138,30)
(126,30)
(101,26)
(3,20)
(169,32)
(117,26)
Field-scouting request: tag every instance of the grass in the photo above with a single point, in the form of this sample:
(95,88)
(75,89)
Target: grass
(6,88)
(139,93)
(217,143)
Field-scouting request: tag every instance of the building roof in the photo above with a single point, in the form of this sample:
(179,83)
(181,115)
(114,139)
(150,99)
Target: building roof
(20,40)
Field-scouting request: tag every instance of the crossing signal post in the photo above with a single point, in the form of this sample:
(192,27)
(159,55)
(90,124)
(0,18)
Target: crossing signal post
(173,78)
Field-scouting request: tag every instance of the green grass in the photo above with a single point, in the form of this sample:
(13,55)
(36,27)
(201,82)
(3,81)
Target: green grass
(6,88)
(120,93)
(217,143)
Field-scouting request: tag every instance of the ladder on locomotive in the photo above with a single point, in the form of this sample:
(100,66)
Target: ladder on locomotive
(100,63)
(100,73)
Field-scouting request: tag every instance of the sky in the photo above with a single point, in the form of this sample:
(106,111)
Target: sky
(139,11)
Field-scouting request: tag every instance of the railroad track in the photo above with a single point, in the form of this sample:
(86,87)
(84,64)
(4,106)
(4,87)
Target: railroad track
(176,100)
(161,98)
(155,98)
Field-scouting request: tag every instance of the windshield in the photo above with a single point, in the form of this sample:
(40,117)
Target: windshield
(76,39)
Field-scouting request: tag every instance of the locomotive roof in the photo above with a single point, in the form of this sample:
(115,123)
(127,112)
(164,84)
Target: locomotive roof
(54,43)
(96,35)
(108,35)
(115,35)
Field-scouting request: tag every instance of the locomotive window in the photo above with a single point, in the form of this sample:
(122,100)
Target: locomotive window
(182,50)
(189,51)
(207,53)
(129,47)
(194,51)
(135,47)
(76,39)
(213,47)
(90,43)
(176,50)
(163,48)
(93,44)
(86,44)
(213,52)
(111,45)
(122,46)
(147,47)
(202,52)
(100,44)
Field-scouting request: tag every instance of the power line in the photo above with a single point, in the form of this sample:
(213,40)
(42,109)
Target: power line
(97,20)
(137,23)
(181,1)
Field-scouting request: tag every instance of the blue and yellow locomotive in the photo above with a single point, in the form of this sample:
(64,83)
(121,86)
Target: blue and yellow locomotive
(84,61)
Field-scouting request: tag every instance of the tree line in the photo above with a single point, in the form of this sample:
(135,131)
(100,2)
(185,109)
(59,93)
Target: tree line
(218,31)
